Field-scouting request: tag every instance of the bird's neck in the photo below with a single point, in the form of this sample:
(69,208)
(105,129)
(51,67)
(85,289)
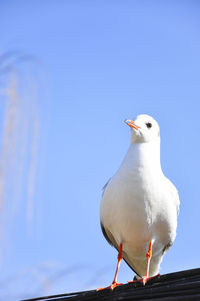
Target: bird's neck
(143,156)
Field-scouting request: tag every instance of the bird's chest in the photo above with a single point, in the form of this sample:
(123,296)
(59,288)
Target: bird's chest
(131,206)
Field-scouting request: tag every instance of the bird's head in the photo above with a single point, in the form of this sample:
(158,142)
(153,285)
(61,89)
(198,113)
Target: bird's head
(143,129)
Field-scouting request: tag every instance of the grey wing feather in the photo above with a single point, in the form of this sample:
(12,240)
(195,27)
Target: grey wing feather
(108,236)
(104,187)
(110,239)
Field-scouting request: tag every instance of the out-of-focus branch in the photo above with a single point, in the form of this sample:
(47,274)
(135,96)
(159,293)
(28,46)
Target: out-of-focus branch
(19,134)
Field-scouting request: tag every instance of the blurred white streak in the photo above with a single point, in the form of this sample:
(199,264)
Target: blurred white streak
(32,173)
(19,137)
(9,138)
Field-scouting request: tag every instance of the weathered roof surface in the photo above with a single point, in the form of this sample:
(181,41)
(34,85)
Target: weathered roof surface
(179,286)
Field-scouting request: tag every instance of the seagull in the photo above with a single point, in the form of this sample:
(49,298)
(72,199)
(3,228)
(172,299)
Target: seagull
(139,205)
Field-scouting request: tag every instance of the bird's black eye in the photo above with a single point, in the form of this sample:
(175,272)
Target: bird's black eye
(149,125)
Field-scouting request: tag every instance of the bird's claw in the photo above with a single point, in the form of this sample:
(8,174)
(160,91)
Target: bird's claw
(144,280)
(112,286)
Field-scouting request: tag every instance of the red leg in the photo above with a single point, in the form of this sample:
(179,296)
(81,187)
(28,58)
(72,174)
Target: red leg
(146,277)
(148,256)
(115,283)
(120,257)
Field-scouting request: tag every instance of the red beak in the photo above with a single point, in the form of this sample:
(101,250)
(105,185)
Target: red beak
(132,124)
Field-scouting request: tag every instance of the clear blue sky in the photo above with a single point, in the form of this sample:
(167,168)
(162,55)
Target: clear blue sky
(103,61)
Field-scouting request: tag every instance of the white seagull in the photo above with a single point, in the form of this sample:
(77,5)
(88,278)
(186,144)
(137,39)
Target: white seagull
(139,205)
